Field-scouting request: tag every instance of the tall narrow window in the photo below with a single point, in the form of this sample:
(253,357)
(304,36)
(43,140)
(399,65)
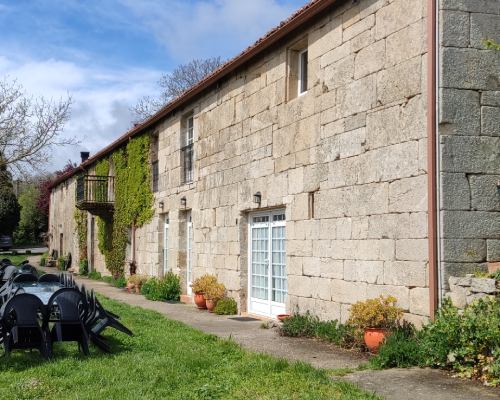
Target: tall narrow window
(187,138)
(302,83)
(154,173)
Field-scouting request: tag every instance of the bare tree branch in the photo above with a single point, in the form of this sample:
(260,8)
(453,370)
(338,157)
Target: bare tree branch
(30,128)
(173,84)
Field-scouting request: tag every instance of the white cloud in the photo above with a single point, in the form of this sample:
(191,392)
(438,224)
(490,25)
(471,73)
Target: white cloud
(101,98)
(202,29)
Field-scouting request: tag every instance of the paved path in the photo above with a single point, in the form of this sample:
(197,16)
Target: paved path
(392,384)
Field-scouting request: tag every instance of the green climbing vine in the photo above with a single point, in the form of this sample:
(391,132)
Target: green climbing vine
(80,218)
(133,200)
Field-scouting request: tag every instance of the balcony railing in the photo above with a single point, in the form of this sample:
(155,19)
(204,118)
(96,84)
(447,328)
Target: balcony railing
(95,193)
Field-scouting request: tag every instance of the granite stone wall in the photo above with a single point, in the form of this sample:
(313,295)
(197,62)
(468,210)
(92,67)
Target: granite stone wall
(469,136)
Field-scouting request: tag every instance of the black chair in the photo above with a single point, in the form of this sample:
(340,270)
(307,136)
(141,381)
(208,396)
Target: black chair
(104,319)
(21,325)
(8,272)
(48,278)
(72,312)
(28,268)
(25,278)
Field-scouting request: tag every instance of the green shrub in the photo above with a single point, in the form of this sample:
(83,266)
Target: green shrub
(95,275)
(307,325)
(167,288)
(226,306)
(84,267)
(43,260)
(401,349)
(61,263)
(466,341)
(495,275)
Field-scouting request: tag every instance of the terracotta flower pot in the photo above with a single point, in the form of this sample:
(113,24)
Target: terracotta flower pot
(200,301)
(211,303)
(130,287)
(137,289)
(282,317)
(374,338)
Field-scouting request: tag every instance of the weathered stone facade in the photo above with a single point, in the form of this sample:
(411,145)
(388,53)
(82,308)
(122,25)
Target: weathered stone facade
(347,161)
(469,136)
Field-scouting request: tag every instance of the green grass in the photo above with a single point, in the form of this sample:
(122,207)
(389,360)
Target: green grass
(165,360)
(15,259)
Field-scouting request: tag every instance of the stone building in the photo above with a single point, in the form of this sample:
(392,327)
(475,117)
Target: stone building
(353,151)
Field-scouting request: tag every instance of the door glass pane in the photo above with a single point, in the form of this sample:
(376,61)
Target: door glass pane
(165,247)
(279,280)
(260,263)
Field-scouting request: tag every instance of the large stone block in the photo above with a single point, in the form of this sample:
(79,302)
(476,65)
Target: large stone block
(490,98)
(470,69)
(405,44)
(330,268)
(336,54)
(321,289)
(343,145)
(358,27)
(455,192)
(412,249)
(484,192)
(482,285)
(450,269)
(357,96)
(470,224)
(409,194)
(454,29)
(463,250)
(484,26)
(480,6)
(460,112)
(470,154)
(490,121)
(398,226)
(397,15)
(401,293)
(405,273)
(370,59)
(347,292)
(419,301)
(493,250)
(339,73)
(363,271)
(324,39)
(300,285)
(399,82)
(327,310)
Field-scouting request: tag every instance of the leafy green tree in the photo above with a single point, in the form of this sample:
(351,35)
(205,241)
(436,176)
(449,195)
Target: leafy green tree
(31,222)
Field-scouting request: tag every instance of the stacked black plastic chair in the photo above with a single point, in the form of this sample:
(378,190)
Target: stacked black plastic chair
(22,327)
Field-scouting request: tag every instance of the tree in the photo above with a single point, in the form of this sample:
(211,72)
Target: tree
(31,222)
(29,127)
(9,207)
(173,84)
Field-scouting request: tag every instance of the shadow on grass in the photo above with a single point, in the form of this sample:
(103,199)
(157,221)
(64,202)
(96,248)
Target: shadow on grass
(21,360)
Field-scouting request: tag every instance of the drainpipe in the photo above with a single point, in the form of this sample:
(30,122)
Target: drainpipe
(432,53)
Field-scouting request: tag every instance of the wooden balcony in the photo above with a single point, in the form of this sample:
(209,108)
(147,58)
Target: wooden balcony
(96,194)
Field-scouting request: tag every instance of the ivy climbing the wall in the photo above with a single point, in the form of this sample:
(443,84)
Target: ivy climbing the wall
(105,226)
(80,218)
(133,200)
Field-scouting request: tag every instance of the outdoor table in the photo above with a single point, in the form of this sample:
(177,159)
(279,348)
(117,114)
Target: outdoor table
(42,290)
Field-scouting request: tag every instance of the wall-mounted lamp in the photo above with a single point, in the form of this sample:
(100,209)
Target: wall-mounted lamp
(183,202)
(257,198)
(161,204)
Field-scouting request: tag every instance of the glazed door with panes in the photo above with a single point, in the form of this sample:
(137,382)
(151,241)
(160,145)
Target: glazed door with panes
(189,253)
(267,264)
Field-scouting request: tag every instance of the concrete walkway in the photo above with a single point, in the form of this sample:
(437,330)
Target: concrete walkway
(392,384)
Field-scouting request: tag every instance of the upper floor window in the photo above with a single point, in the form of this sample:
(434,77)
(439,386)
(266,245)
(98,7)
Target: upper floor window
(155,175)
(302,76)
(187,155)
(297,69)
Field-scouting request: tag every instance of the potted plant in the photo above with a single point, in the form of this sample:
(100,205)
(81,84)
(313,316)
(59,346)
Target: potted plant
(213,294)
(375,318)
(135,282)
(199,287)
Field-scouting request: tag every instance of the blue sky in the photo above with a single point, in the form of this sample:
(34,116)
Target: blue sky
(106,54)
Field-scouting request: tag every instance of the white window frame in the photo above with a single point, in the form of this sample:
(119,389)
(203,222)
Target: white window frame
(165,245)
(301,79)
(268,308)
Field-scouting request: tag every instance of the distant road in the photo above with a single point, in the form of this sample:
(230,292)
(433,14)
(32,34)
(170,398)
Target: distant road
(34,250)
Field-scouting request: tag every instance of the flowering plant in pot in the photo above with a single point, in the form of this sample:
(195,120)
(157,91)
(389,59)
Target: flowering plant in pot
(375,318)
(213,294)
(135,282)
(199,287)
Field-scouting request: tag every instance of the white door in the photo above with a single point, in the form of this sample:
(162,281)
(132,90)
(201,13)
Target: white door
(267,278)
(189,254)
(165,246)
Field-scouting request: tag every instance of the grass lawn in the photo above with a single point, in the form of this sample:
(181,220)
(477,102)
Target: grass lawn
(165,360)
(15,259)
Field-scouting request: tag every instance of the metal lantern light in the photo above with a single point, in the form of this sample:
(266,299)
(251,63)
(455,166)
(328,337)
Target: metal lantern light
(257,198)
(183,202)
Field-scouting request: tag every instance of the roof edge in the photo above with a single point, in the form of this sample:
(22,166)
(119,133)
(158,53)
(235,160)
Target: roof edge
(296,20)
